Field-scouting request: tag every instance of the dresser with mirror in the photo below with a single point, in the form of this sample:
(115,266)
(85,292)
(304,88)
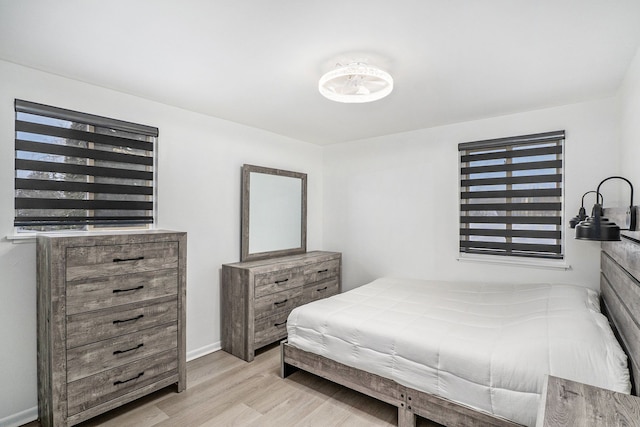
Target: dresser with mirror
(275,273)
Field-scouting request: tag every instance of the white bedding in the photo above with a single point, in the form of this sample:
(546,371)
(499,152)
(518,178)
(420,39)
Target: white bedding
(487,346)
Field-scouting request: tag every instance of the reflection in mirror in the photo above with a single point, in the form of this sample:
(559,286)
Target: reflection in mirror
(273,212)
(275,215)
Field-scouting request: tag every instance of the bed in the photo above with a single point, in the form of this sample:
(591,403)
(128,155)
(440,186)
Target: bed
(489,347)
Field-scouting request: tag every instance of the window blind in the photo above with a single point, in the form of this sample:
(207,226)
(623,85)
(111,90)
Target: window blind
(74,169)
(511,196)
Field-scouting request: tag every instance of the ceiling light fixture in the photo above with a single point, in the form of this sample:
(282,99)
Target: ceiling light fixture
(356,82)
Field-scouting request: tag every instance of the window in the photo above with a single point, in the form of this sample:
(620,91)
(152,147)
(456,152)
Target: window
(511,196)
(77,171)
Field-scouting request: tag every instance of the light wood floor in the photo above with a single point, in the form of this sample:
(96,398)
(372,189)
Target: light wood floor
(223,390)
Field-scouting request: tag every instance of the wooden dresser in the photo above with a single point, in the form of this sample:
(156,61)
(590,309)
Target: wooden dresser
(111,320)
(566,403)
(257,296)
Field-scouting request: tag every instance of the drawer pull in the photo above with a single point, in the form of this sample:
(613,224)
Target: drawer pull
(138,317)
(280,324)
(130,379)
(128,259)
(128,350)
(281,281)
(323,271)
(322,289)
(279,303)
(115,291)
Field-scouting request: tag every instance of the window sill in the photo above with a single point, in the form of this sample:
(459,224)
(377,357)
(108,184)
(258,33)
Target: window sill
(20,238)
(17,238)
(542,264)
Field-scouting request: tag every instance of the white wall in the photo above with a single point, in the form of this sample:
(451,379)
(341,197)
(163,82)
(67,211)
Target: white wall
(630,126)
(391,203)
(199,175)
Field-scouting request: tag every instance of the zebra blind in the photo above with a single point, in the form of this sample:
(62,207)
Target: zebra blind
(511,196)
(73,170)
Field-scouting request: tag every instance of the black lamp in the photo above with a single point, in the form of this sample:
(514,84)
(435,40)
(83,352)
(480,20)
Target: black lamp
(598,227)
(582,213)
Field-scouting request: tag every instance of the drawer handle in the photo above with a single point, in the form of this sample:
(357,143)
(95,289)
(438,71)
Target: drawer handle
(128,350)
(323,271)
(115,291)
(281,281)
(279,303)
(280,324)
(130,379)
(322,289)
(128,259)
(138,317)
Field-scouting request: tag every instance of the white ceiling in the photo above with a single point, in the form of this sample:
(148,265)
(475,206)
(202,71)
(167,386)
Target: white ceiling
(257,62)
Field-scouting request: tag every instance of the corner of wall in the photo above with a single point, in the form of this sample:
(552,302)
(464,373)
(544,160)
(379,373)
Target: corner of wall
(629,95)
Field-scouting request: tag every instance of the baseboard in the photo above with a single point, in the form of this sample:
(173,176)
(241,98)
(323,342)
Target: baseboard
(203,351)
(20,418)
(31,414)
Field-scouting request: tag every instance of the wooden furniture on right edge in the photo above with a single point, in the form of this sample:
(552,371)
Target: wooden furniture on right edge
(257,296)
(569,403)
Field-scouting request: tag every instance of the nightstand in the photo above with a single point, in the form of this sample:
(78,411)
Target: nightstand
(569,403)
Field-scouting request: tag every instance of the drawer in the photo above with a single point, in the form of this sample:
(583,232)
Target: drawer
(105,386)
(103,261)
(322,270)
(90,359)
(270,329)
(320,290)
(94,294)
(270,305)
(268,283)
(86,328)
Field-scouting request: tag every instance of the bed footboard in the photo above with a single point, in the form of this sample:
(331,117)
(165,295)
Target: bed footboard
(372,385)
(409,402)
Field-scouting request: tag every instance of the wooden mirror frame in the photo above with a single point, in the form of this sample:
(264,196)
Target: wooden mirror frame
(245,226)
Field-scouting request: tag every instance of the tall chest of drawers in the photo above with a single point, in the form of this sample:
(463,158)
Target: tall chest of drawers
(257,296)
(111,320)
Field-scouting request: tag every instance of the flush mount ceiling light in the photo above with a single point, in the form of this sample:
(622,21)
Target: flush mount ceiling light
(356,82)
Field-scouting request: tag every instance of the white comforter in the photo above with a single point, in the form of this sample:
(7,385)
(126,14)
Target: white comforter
(487,346)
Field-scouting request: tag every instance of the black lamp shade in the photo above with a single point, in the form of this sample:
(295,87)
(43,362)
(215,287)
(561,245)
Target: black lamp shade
(598,227)
(582,215)
(607,231)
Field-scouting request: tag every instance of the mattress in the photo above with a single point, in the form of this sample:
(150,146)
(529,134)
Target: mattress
(487,346)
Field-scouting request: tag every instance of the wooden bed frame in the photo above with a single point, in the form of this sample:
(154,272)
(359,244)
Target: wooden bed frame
(620,293)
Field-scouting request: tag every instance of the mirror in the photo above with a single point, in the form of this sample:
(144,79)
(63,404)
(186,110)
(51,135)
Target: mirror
(274,213)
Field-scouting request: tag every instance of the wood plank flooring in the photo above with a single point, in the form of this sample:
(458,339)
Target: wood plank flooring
(223,390)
